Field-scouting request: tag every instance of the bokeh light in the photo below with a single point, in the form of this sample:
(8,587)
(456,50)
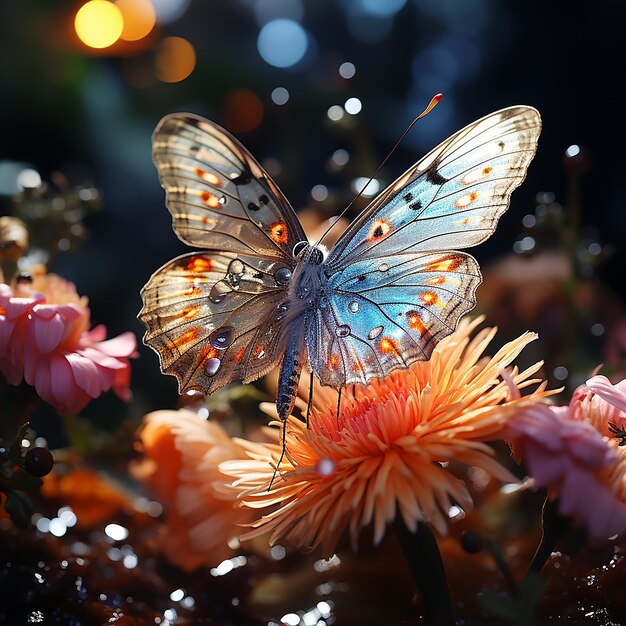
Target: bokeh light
(353,106)
(280,96)
(335,113)
(139,18)
(382,7)
(282,43)
(174,60)
(99,24)
(243,111)
(347,70)
(169,10)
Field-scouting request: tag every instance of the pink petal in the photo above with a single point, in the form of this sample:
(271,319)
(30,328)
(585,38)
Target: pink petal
(98,333)
(101,359)
(48,311)
(603,387)
(123,345)
(17,307)
(42,381)
(48,332)
(86,374)
(62,380)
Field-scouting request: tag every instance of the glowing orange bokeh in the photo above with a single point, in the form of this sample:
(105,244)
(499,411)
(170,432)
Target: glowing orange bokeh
(175,59)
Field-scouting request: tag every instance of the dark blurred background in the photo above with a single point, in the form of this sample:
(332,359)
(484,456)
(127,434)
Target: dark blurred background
(318,90)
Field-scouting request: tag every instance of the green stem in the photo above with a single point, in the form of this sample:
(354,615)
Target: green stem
(424,560)
(553,527)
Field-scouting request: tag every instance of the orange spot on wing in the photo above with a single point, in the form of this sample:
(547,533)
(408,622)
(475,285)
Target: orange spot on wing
(436,280)
(239,355)
(199,264)
(182,340)
(189,312)
(258,349)
(465,201)
(208,352)
(379,230)
(416,323)
(210,200)
(209,177)
(487,170)
(445,264)
(429,298)
(388,346)
(358,366)
(278,233)
(333,362)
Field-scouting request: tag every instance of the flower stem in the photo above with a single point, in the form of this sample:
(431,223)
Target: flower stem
(553,527)
(424,560)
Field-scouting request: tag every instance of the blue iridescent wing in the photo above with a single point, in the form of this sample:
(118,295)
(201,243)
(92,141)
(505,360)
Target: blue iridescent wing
(394,283)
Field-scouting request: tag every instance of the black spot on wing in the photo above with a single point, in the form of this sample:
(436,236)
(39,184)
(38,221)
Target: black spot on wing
(416,206)
(408,197)
(433,176)
(244,178)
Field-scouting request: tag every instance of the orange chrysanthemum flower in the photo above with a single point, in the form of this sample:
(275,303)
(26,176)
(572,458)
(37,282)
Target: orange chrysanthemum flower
(180,466)
(388,449)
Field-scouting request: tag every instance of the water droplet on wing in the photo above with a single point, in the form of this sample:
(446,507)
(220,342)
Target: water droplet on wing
(282,275)
(211,366)
(218,291)
(353,307)
(375,332)
(222,337)
(383,267)
(343,330)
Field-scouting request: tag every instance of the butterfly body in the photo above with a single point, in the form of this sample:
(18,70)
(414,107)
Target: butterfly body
(260,295)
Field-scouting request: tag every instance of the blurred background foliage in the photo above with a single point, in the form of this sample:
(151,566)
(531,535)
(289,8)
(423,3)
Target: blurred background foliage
(318,90)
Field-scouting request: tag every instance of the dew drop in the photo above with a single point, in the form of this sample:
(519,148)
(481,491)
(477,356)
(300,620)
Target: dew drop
(222,337)
(211,366)
(281,309)
(343,330)
(218,291)
(222,200)
(375,332)
(353,306)
(282,275)
(383,267)
(236,267)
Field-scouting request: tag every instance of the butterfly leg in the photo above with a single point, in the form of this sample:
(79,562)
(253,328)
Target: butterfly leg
(282,453)
(308,406)
(338,406)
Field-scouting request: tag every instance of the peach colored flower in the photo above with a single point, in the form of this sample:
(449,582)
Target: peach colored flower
(388,449)
(45,340)
(567,449)
(180,466)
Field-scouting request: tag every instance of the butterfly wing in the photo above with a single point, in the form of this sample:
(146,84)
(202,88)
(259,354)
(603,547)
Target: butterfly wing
(214,317)
(218,194)
(394,284)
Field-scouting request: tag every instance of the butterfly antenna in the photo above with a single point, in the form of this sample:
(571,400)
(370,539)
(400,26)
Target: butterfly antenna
(338,406)
(431,105)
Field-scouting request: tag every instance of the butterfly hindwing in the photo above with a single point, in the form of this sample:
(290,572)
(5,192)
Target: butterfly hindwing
(218,194)
(383,315)
(212,318)
(394,282)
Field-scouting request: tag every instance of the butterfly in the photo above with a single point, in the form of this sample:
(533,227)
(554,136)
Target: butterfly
(259,295)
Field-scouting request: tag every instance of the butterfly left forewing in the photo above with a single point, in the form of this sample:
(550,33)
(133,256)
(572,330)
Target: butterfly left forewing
(218,194)
(214,317)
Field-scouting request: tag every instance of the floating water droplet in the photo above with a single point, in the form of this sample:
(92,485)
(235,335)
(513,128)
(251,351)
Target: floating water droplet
(222,337)
(218,291)
(343,330)
(211,366)
(383,267)
(353,307)
(326,467)
(375,332)
(282,275)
